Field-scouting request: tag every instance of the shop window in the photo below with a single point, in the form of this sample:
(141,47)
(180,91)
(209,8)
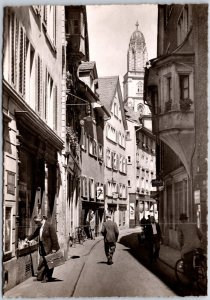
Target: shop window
(10,183)
(8,230)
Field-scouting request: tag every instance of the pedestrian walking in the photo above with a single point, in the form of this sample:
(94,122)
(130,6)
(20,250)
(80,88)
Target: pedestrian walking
(92,226)
(143,223)
(48,243)
(153,239)
(110,232)
(141,235)
(190,238)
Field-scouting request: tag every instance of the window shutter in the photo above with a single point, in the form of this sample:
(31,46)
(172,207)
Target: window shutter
(89,188)
(21,58)
(37,88)
(107,188)
(46,94)
(24,63)
(96,185)
(13,48)
(55,119)
(16,52)
(125,166)
(117,189)
(81,186)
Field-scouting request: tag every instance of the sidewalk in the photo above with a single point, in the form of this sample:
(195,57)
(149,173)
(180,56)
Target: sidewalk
(66,276)
(169,255)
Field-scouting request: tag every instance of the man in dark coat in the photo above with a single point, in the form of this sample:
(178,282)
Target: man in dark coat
(110,233)
(48,243)
(153,238)
(190,238)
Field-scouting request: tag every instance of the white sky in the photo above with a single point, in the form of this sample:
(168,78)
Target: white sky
(110,28)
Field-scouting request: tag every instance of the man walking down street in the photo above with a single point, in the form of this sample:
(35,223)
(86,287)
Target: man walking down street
(110,233)
(48,243)
(153,239)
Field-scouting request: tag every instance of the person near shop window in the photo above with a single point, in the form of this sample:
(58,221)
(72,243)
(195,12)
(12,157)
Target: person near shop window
(190,238)
(92,226)
(48,243)
(153,237)
(110,232)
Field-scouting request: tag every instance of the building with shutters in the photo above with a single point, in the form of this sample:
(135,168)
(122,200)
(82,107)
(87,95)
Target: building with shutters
(92,190)
(176,89)
(43,47)
(115,173)
(32,98)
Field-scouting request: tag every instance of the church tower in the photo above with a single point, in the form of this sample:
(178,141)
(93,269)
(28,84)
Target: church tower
(134,78)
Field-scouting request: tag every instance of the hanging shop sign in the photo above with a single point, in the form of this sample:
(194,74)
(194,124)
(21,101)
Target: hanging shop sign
(100,192)
(157,182)
(114,195)
(132,211)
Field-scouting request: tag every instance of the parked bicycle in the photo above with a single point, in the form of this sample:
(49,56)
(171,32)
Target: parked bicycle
(199,278)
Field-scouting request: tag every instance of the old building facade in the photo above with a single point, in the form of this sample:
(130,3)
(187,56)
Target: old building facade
(43,47)
(116,200)
(141,170)
(77,50)
(178,99)
(92,156)
(33,141)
